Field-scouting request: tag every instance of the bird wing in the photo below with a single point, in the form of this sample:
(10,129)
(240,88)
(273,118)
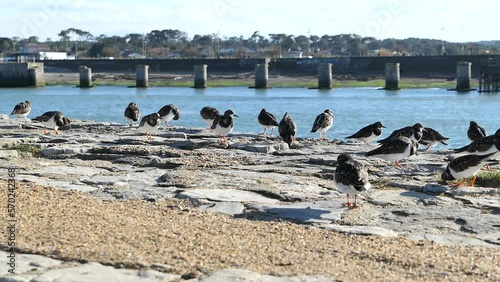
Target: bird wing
(321,121)
(266,118)
(479,145)
(363,132)
(394,145)
(352,173)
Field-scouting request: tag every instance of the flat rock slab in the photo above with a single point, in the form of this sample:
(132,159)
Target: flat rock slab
(307,212)
(226,195)
(250,276)
(231,208)
(362,230)
(97,272)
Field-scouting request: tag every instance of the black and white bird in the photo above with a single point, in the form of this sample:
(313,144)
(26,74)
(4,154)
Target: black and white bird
(322,123)
(481,146)
(414,132)
(267,121)
(149,124)
(395,149)
(54,120)
(351,178)
(22,109)
(368,133)
(497,139)
(431,138)
(209,114)
(168,113)
(223,125)
(475,131)
(465,166)
(132,113)
(287,129)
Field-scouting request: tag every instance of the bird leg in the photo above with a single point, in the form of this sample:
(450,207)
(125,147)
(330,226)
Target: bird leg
(348,203)
(473,181)
(264,133)
(46,132)
(272,131)
(486,167)
(57,132)
(459,184)
(397,164)
(355,205)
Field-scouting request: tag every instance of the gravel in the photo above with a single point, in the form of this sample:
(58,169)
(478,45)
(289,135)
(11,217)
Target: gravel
(72,225)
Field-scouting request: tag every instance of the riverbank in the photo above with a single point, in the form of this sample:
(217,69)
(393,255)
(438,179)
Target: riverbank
(188,206)
(243,79)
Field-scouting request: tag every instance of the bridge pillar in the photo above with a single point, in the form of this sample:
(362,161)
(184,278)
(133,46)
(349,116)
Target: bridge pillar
(463,76)
(392,76)
(142,76)
(85,77)
(261,75)
(325,76)
(200,76)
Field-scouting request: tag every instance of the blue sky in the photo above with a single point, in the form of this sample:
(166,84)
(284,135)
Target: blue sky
(451,20)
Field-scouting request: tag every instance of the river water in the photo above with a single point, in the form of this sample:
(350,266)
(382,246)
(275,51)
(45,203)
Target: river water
(446,111)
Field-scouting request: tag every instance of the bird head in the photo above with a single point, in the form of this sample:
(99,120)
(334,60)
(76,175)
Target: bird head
(230,113)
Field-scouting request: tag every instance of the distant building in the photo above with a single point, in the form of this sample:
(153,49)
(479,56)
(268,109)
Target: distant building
(294,54)
(34,48)
(132,55)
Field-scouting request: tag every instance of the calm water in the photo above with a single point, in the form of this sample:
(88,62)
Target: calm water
(353,108)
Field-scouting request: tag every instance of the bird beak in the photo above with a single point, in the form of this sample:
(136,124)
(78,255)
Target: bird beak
(235,115)
(424,130)
(384,126)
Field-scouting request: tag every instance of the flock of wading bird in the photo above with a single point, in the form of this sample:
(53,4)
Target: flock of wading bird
(351,176)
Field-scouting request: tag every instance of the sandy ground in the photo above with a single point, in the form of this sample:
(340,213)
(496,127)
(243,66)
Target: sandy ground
(77,226)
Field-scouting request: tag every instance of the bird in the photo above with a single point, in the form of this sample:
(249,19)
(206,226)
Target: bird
(169,112)
(475,131)
(132,113)
(414,132)
(395,149)
(481,146)
(52,119)
(431,138)
(368,133)
(351,178)
(267,120)
(209,114)
(287,129)
(149,124)
(322,123)
(497,139)
(465,166)
(22,109)
(223,125)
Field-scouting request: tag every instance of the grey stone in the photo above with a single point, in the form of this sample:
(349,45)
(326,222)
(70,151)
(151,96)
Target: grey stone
(434,188)
(173,135)
(362,230)
(53,151)
(308,212)
(28,263)
(7,154)
(225,195)
(84,171)
(12,142)
(231,208)
(261,148)
(97,272)
(16,278)
(232,274)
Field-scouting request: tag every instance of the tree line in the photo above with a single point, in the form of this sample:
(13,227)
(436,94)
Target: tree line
(176,43)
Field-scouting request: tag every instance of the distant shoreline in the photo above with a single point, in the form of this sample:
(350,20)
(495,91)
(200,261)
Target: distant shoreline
(241,79)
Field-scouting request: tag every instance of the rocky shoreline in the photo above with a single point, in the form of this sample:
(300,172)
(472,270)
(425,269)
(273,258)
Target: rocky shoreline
(254,205)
